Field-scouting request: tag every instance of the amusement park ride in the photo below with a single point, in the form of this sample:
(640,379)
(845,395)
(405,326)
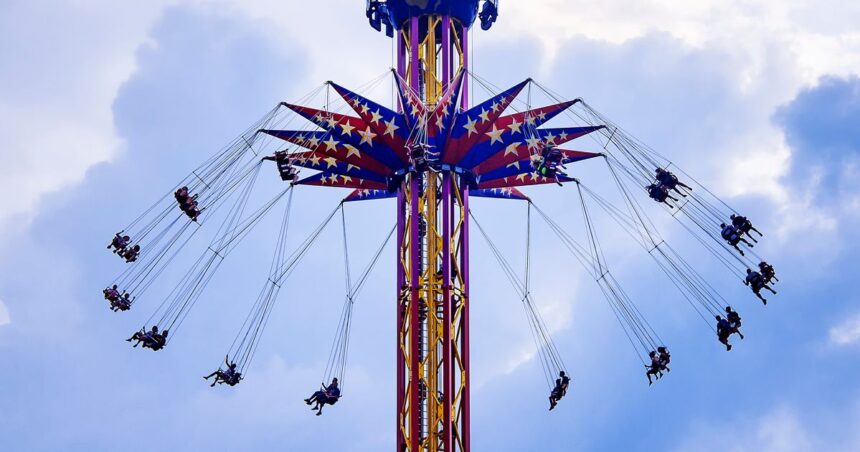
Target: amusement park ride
(432,153)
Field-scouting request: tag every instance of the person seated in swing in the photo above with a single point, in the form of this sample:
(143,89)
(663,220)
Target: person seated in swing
(733,237)
(744,225)
(181,195)
(659,193)
(150,339)
(285,166)
(734,320)
(724,330)
(670,181)
(756,282)
(665,358)
(111,293)
(119,243)
(122,303)
(328,395)
(143,336)
(767,272)
(655,368)
(230,376)
(131,254)
(560,389)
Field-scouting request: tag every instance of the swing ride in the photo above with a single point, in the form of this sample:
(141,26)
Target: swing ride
(431,153)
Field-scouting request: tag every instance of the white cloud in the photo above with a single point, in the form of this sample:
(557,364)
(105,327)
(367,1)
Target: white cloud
(847,332)
(4,314)
(783,429)
(55,101)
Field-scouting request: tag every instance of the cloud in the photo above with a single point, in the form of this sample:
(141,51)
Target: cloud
(783,429)
(4,314)
(847,332)
(55,106)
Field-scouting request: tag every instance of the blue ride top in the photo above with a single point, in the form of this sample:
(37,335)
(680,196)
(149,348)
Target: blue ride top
(396,12)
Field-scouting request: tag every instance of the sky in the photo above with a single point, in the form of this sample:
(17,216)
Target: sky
(105,105)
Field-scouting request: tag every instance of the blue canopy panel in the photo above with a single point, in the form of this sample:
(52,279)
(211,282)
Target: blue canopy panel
(322,145)
(410,102)
(510,129)
(519,147)
(526,166)
(499,193)
(464,11)
(478,124)
(334,166)
(326,179)
(496,193)
(352,131)
(522,180)
(369,195)
(384,122)
(441,120)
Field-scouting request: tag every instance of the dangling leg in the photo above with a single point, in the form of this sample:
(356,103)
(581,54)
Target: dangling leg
(738,248)
(769,288)
(745,241)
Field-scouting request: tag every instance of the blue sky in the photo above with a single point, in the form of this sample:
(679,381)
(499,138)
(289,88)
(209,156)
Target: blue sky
(104,106)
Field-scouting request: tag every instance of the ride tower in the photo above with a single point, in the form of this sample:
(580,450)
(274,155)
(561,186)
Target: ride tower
(432,46)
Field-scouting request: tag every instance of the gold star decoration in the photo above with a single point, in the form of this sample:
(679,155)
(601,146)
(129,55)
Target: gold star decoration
(390,127)
(331,144)
(347,128)
(495,134)
(367,136)
(470,126)
(515,126)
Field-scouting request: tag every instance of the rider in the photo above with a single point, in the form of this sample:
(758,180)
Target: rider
(744,225)
(756,282)
(670,181)
(660,193)
(285,166)
(655,368)
(665,358)
(731,235)
(122,303)
(560,389)
(111,293)
(767,272)
(119,243)
(734,320)
(724,330)
(131,254)
(329,395)
(230,376)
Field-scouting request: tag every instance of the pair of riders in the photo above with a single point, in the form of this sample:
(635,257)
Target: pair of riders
(150,339)
(560,389)
(117,302)
(230,376)
(285,166)
(187,203)
(733,236)
(757,282)
(328,395)
(744,226)
(120,243)
(767,272)
(728,326)
(665,182)
(660,359)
